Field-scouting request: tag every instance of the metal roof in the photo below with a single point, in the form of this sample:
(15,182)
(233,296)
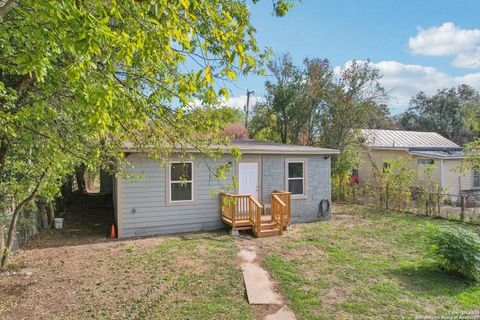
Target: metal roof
(440,154)
(257,147)
(400,139)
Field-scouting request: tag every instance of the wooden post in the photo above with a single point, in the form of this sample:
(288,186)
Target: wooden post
(250,209)
(288,213)
(386,196)
(427,211)
(281,219)
(259,220)
(462,212)
(438,200)
(234,211)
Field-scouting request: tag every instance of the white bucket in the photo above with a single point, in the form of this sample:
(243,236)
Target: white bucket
(58,223)
(453,199)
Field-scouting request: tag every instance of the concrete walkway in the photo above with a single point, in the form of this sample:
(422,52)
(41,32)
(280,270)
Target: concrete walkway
(260,287)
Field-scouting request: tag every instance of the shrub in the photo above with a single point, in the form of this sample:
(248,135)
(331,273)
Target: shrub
(456,249)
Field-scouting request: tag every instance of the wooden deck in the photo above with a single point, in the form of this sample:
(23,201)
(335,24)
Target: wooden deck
(244,212)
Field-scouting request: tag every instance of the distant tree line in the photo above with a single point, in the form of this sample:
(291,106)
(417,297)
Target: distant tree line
(318,105)
(449,112)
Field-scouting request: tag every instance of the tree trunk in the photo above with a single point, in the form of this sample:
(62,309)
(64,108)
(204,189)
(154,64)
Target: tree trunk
(8,5)
(50,214)
(2,240)
(80,176)
(3,154)
(16,213)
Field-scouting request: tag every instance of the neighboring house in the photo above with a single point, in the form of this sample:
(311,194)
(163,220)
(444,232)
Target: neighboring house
(179,197)
(419,149)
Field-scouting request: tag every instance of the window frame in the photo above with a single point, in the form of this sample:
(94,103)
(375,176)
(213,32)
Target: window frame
(169,183)
(425,162)
(476,177)
(304,178)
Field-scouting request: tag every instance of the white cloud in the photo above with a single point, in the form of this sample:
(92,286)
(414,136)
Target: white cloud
(403,81)
(469,59)
(472,79)
(447,39)
(241,101)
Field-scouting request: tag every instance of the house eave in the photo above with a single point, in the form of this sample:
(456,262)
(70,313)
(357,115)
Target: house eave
(436,156)
(246,151)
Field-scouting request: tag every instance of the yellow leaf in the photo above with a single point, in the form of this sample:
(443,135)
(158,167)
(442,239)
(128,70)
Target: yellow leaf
(232,75)
(208,74)
(251,61)
(184,3)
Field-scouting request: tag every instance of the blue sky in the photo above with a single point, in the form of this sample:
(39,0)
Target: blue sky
(417,45)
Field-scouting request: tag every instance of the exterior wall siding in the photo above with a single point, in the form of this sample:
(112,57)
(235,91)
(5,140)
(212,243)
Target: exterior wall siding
(144,208)
(318,185)
(454,180)
(365,170)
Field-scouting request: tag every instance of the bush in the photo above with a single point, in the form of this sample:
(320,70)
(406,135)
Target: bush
(456,249)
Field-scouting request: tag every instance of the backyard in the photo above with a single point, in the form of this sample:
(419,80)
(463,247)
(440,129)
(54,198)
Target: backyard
(358,265)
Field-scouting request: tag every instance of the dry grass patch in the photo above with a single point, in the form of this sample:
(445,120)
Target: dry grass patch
(176,277)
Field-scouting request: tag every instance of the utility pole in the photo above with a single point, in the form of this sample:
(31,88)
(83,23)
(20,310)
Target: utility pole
(246,108)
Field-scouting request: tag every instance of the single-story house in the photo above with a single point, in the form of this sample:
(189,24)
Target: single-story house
(180,197)
(418,149)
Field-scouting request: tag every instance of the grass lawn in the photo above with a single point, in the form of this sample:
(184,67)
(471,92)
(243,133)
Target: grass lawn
(359,265)
(365,265)
(194,276)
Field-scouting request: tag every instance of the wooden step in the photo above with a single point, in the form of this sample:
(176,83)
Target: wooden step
(269,232)
(268,225)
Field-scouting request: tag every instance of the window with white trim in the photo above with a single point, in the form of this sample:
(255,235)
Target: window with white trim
(476,179)
(296,177)
(425,161)
(181,181)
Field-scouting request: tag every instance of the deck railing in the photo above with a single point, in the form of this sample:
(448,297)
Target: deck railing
(278,211)
(241,211)
(285,197)
(255,215)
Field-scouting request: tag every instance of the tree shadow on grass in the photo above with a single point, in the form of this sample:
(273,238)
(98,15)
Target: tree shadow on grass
(431,281)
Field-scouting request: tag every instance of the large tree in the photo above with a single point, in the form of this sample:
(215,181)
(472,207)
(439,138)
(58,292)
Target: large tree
(80,78)
(445,112)
(294,99)
(318,105)
(356,102)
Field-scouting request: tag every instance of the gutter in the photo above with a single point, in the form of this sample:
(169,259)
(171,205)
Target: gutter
(249,151)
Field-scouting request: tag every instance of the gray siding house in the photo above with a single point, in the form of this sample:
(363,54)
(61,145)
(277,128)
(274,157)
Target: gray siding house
(181,197)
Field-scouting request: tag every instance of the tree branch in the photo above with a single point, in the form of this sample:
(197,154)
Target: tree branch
(16,213)
(7,7)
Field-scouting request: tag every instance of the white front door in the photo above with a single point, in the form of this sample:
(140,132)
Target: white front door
(248,178)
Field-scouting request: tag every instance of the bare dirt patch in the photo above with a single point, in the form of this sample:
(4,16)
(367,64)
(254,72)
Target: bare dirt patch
(79,273)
